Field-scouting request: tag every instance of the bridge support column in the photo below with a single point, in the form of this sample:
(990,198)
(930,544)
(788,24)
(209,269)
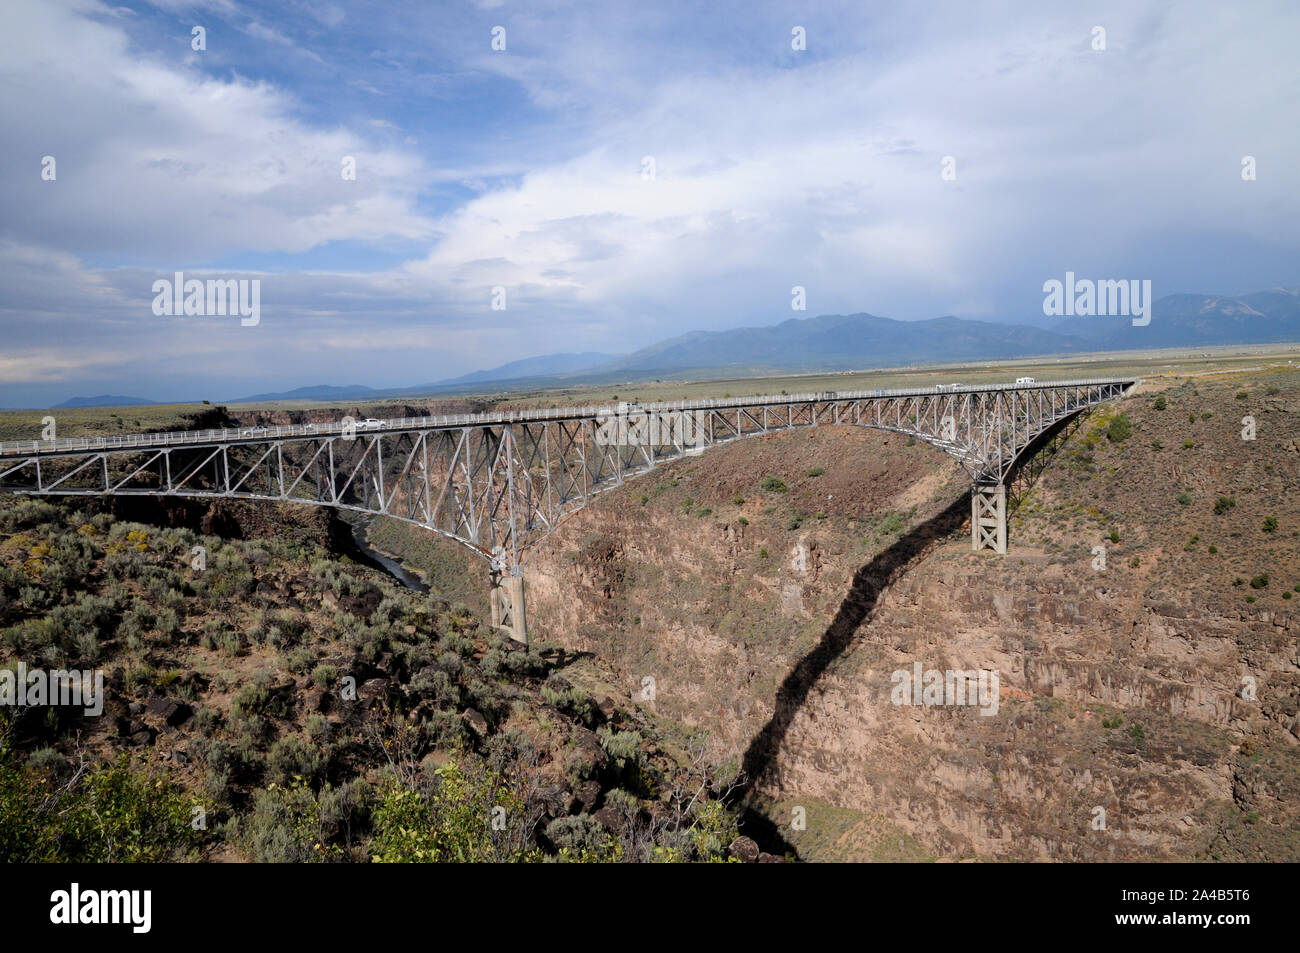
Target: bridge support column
(988,517)
(508,609)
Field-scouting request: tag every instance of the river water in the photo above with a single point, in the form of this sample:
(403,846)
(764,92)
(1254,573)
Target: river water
(382,560)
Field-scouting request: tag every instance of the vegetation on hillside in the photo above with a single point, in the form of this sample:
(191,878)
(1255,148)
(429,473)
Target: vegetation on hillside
(268,702)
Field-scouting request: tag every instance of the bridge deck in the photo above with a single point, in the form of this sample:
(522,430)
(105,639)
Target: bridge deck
(191,438)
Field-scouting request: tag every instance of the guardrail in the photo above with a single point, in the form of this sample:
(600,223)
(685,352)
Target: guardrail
(145,441)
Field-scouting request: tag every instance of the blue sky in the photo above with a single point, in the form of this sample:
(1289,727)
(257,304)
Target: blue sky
(522,168)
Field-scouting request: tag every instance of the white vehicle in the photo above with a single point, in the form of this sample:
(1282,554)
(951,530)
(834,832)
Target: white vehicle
(626,407)
(943,387)
(254,432)
(1024,380)
(310,428)
(370,423)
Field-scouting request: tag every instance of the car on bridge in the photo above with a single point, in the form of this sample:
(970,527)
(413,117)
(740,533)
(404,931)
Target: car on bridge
(1024,380)
(254,432)
(370,423)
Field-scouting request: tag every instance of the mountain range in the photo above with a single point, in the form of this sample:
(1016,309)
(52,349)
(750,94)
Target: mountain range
(861,341)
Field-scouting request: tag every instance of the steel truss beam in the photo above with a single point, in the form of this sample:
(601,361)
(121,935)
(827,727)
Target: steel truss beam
(500,485)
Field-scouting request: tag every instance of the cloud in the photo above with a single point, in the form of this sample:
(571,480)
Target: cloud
(524,169)
(158,161)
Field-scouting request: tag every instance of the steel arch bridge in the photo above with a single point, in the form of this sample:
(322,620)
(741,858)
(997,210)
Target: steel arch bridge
(501,483)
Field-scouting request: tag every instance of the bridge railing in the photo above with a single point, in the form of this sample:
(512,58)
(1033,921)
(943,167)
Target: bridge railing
(257,433)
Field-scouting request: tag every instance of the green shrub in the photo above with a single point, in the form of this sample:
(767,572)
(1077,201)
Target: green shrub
(623,747)
(581,837)
(713,831)
(291,759)
(893,524)
(1119,429)
(453,823)
(570,701)
(113,814)
(773,483)
(288,824)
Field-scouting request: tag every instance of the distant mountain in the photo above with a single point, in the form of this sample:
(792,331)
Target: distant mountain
(318,392)
(103,400)
(842,342)
(548,365)
(834,342)
(1195,320)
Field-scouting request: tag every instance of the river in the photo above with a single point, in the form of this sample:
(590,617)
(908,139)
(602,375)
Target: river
(382,560)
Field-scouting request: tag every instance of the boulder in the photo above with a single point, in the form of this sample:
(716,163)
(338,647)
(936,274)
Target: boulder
(476,721)
(144,736)
(743,848)
(587,757)
(317,700)
(172,712)
(588,794)
(371,690)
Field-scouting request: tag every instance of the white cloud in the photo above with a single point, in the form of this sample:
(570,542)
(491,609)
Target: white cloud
(771,170)
(157,160)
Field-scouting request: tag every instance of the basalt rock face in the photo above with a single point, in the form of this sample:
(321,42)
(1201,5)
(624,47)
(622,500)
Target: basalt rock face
(1146,706)
(716,607)
(1104,703)
(237,519)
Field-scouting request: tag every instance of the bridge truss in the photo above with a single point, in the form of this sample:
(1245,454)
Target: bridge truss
(501,483)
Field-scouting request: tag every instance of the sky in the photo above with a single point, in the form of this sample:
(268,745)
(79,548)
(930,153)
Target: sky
(625,172)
